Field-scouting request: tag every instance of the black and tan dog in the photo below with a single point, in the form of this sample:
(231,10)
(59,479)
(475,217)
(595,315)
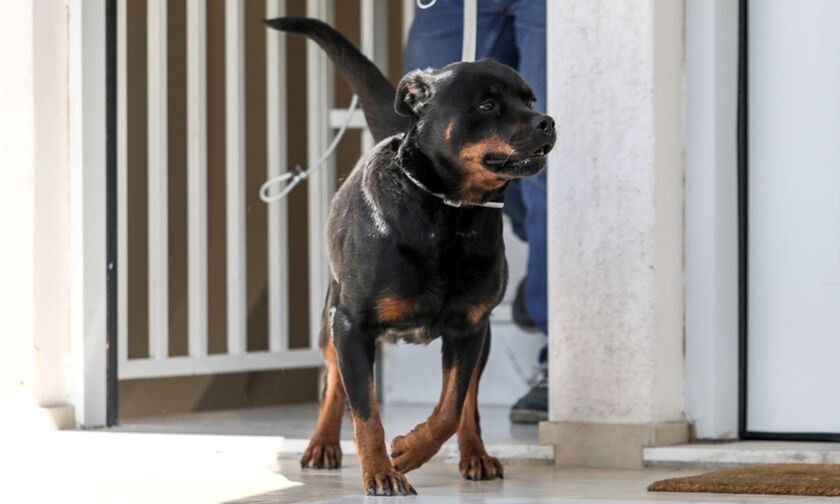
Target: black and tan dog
(416,250)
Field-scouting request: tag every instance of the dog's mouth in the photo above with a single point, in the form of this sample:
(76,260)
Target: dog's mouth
(516,164)
(541,152)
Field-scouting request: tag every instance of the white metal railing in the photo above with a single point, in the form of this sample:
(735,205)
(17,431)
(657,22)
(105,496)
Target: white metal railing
(158,219)
(197,177)
(278,288)
(320,189)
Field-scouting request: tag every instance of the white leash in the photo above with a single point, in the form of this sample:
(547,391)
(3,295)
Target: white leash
(297,175)
(470,30)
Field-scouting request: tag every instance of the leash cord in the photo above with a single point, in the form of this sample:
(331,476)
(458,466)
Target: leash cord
(297,174)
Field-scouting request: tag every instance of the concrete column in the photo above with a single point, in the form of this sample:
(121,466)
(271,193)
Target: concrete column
(615,230)
(35,378)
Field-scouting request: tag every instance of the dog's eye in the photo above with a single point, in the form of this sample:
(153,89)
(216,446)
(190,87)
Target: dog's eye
(487,106)
(531,103)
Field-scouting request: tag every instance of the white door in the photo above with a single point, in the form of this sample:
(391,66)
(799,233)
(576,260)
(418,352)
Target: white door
(793,340)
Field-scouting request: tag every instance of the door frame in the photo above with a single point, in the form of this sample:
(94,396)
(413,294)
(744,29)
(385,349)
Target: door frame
(743,249)
(711,235)
(716,245)
(90,248)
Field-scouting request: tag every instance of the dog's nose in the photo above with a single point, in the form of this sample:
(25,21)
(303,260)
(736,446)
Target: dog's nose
(544,123)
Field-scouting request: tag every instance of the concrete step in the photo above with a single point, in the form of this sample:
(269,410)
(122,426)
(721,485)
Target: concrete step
(741,453)
(516,453)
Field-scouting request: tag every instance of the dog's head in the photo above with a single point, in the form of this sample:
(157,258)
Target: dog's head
(478,118)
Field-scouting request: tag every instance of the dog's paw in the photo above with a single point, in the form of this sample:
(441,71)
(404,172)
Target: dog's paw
(481,467)
(388,483)
(412,451)
(320,455)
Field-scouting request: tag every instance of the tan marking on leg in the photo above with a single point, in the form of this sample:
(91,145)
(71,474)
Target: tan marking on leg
(324,451)
(378,474)
(475,463)
(421,444)
(392,308)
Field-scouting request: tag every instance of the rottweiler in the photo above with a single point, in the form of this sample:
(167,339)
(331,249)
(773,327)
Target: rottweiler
(416,250)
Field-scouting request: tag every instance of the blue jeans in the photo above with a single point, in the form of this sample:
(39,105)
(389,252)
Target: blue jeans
(511,32)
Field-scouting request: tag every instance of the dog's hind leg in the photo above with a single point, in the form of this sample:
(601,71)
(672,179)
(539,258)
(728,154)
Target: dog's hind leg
(324,450)
(461,358)
(475,463)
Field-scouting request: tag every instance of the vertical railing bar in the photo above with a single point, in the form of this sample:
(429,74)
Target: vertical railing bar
(158,212)
(122,182)
(379,51)
(278,251)
(197,176)
(407,18)
(374,43)
(368,36)
(321,184)
(235,175)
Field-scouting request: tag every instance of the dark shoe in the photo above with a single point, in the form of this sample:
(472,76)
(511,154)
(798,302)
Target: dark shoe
(532,407)
(520,314)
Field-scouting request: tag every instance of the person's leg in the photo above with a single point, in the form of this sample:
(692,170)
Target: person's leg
(530,39)
(529,25)
(436,34)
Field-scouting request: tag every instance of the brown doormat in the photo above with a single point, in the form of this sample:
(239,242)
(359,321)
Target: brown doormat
(780,479)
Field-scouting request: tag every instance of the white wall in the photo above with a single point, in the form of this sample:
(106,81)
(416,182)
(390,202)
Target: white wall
(616,211)
(34,209)
(52,203)
(17,153)
(35,365)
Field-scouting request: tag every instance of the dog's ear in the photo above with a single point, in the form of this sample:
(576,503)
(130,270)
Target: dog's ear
(414,92)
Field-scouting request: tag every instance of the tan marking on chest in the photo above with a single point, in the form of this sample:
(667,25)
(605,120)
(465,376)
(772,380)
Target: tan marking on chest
(391,308)
(476,313)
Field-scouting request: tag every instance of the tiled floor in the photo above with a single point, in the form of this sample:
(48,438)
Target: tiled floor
(440,483)
(240,456)
(295,423)
(124,467)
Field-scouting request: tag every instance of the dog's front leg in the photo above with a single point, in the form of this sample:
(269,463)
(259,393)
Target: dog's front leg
(356,351)
(461,355)
(475,463)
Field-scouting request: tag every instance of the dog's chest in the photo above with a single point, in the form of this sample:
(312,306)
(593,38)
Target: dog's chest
(450,288)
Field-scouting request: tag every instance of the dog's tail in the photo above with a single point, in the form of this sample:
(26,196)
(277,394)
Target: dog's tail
(375,93)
